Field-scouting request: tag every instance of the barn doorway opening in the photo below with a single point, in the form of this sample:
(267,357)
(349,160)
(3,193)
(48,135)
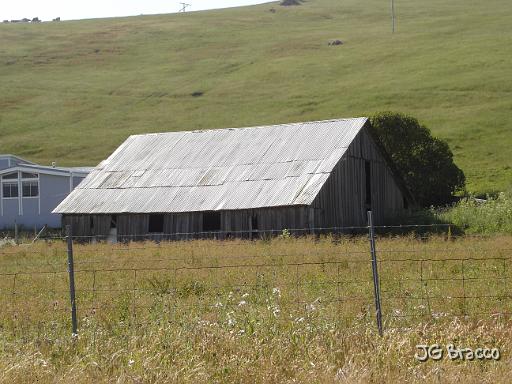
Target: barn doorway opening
(112,235)
(254,227)
(211,221)
(156,223)
(368,182)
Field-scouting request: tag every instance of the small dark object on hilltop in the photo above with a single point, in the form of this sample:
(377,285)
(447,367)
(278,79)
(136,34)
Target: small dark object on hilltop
(197,93)
(25,20)
(36,20)
(56,19)
(335,42)
(287,3)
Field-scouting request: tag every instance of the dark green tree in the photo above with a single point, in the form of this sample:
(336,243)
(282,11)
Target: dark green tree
(424,162)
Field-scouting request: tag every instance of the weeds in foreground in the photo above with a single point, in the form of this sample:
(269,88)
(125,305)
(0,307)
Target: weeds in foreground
(281,310)
(494,215)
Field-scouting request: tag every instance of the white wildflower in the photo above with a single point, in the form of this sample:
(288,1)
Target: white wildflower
(312,307)
(243,302)
(131,362)
(274,309)
(42,362)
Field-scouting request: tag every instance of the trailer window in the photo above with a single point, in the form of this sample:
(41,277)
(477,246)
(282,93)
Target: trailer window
(10,176)
(10,190)
(30,188)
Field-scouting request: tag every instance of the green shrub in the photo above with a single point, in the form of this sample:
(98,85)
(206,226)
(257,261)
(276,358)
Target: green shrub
(424,162)
(474,216)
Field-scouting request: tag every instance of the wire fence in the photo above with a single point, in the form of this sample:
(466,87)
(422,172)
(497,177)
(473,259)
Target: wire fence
(390,280)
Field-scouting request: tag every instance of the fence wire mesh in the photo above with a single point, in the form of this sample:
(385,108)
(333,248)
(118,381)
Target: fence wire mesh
(426,273)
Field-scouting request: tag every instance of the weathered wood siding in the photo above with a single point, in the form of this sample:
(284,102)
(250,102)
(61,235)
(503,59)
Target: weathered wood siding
(342,200)
(185,225)
(268,219)
(88,225)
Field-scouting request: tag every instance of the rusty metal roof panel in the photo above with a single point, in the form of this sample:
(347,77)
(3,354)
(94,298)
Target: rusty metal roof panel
(224,169)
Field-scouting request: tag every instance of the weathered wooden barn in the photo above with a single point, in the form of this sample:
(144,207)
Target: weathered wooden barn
(301,176)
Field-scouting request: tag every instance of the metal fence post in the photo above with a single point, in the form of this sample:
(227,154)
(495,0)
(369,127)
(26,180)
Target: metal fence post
(375,270)
(71,272)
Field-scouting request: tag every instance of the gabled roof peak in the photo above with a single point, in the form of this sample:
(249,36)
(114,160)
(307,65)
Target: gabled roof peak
(220,169)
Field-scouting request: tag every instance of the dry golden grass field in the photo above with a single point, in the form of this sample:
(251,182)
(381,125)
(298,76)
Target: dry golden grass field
(283,310)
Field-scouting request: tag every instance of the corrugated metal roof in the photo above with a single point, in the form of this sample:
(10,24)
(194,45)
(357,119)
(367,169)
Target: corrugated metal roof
(221,169)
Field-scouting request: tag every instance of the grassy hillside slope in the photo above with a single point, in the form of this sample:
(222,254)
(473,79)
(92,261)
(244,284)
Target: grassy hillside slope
(73,91)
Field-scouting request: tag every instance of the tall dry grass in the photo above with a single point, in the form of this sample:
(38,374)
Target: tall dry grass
(283,310)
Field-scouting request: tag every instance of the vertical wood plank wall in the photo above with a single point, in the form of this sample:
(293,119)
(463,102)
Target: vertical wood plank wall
(233,223)
(342,200)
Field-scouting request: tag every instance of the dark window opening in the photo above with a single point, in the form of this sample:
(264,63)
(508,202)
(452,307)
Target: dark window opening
(30,188)
(211,221)
(113,221)
(10,190)
(406,203)
(368,177)
(91,223)
(25,175)
(156,223)
(10,176)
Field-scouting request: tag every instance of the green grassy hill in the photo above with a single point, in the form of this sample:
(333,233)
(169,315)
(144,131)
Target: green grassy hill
(73,91)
